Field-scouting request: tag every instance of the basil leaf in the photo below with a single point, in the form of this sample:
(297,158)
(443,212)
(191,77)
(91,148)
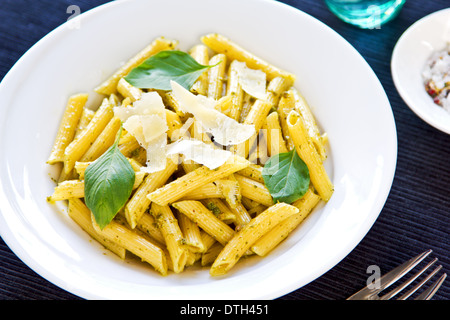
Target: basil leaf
(286,176)
(157,71)
(108,184)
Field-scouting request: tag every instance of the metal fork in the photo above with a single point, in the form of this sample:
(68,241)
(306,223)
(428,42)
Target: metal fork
(391,277)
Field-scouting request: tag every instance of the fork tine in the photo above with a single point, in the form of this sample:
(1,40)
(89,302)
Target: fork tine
(398,272)
(429,293)
(390,277)
(392,293)
(420,284)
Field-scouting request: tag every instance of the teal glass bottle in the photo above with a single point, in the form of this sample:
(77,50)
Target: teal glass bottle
(367,14)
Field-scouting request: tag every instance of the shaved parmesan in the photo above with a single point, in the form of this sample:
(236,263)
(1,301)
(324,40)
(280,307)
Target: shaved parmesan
(146,121)
(252,81)
(149,103)
(199,152)
(156,155)
(145,128)
(184,130)
(225,130)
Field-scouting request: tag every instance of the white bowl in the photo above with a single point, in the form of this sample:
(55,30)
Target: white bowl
(414,47)
(361,161)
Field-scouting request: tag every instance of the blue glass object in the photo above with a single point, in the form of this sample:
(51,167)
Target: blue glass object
(367,14)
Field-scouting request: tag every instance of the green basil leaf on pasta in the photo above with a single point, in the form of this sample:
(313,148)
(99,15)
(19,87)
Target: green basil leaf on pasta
(108,184)
(157,71)
(286,176)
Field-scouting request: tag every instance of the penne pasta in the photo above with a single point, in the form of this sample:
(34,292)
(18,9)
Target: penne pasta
(230,189)
(235,91)
(134,242)
(200,53)
(173,236)
(285,106)
(207,240)
(178,188)
(86,117)
(63,176)
(247,103)
(276,87)
(302,107)
(170,100)
(80,167)
(160,44)
(256,117)
(67,127)
(220,210)
(75,188)
(148,225)
(221,44)
(191,233)
(260,154)
(206,191)
(309,155)
(216,76)
(174,124)
(206,220)
(130,148)
(253,171)
(225,104)
(254,211)
(67,190)
(275,143)
(242,217)
(78,147)
(209,256)
(248,235)
(104,140)
(248,203)
(79,213)
(281,231)
(254,190)
(139,202)
(128,91)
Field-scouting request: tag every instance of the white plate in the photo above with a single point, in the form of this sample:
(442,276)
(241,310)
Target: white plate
(360,125)
(414,47)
